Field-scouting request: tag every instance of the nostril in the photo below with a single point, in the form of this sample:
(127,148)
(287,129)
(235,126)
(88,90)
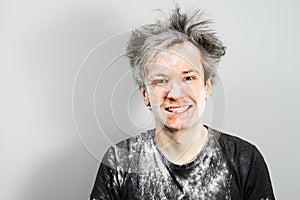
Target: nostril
(174,92)
(171,95)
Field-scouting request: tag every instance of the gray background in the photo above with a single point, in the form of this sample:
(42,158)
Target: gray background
(49,147)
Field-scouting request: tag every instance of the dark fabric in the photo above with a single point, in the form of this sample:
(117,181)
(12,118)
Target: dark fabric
(226,168)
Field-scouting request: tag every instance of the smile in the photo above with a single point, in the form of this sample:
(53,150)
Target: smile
(178,109)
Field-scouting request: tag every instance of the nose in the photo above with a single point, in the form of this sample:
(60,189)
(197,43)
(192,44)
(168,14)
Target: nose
(175,90)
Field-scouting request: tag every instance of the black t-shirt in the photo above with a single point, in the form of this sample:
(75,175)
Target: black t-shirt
(226,168)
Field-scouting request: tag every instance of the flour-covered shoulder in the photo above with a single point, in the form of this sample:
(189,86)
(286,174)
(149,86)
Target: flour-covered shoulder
(129,150)
(119,160)
(251,174)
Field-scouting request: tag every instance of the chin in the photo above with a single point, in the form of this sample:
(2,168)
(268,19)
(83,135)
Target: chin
(175,128)
(171,129)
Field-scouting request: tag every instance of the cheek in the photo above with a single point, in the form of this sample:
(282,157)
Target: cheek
(157,95)
(201,100)
(195,91)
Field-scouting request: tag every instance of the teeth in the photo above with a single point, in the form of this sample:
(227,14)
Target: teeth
(178,110)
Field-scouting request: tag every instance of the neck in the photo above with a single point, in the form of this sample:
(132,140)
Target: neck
(181,146)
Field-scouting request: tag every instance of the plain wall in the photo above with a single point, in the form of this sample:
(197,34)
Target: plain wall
(67,93)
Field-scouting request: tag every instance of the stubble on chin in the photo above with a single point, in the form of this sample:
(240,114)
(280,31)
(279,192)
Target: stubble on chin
(170,129)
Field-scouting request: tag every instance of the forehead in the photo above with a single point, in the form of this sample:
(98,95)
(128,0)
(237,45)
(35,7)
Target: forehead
(179,57)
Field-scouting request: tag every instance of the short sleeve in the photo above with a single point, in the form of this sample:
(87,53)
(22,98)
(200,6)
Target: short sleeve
(258,183)
(107,185)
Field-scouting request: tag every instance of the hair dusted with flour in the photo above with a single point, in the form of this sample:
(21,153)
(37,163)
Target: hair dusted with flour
(147,41)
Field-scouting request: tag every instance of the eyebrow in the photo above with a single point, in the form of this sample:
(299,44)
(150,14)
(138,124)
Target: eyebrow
(184,72)
(154,75)
(190,70)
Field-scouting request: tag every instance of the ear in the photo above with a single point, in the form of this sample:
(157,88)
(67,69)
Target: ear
(144,96)
(207,89)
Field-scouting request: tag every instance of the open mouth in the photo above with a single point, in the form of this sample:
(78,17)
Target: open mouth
(178,109)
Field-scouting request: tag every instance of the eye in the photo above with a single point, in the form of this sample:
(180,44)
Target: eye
(189,78)
(160,81)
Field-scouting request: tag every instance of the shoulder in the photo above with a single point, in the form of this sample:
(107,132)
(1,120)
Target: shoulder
(231,141)
(247,165)
(235,147)
(240,154)
(137,142)
(124,151)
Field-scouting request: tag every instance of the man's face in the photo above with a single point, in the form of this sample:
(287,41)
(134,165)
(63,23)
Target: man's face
(175,87)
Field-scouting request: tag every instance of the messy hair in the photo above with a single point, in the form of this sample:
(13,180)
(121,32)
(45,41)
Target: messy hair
(148,40)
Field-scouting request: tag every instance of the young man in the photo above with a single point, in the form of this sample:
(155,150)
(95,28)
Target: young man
(174,63)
